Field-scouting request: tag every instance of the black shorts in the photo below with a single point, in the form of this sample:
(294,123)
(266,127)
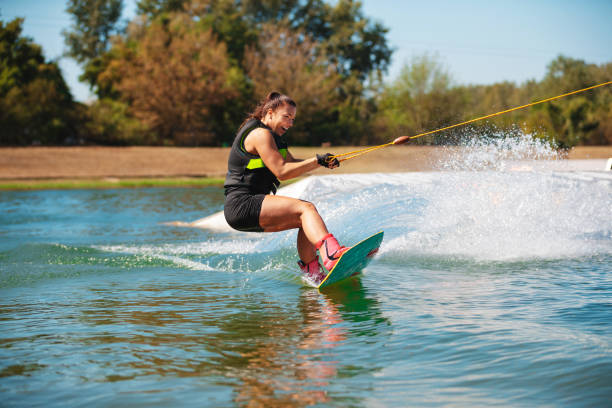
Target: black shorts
(242,211)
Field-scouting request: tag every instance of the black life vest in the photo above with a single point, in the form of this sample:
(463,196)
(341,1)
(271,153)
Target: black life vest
(246,171)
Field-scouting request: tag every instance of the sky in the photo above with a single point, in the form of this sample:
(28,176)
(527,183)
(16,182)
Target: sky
(477,41)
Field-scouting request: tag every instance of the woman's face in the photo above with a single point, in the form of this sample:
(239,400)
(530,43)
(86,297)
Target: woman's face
(281,119)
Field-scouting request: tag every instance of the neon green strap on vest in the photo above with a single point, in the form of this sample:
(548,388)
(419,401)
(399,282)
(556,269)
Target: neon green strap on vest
(258,163)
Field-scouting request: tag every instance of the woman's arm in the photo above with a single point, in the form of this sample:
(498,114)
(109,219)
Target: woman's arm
(261,142)
(289,158)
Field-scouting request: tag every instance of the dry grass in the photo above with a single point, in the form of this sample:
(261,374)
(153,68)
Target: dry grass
(62,163)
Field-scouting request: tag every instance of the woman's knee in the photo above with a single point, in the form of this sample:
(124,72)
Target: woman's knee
(306,207)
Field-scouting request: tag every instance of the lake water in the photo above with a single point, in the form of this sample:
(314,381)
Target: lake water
(491,288)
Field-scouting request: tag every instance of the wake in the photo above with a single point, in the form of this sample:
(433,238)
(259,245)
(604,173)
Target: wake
(505,198)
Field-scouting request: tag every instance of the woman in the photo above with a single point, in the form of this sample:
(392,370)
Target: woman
(258,160)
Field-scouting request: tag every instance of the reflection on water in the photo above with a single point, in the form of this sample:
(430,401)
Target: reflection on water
(271,352)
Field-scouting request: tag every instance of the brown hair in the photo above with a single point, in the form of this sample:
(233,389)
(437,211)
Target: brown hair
(273,101)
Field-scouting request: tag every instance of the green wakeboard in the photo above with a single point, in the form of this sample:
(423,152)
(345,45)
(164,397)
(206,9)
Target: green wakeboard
(352,261)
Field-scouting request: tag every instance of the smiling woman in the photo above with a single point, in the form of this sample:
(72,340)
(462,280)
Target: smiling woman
(259,157)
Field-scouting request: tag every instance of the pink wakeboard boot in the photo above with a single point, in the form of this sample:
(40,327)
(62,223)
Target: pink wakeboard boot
(312,270)
(330,251)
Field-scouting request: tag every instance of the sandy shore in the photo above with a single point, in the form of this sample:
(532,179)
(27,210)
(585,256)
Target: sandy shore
(58,163)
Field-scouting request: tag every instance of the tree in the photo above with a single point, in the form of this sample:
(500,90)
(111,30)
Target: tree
(303,74)
(347,43)
(419,100)
(580,119)
(109,122)
(566,74)
(173,77)
(153,8)
(341,38)
(353,44)
(95,21)
(35,103)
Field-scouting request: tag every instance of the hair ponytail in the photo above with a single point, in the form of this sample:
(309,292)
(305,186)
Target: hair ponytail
(273,95)
(272,101)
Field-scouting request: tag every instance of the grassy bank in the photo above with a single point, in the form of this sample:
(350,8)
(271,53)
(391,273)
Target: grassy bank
(67,184)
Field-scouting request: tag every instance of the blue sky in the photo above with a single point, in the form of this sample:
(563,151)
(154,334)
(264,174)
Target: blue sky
(478,41)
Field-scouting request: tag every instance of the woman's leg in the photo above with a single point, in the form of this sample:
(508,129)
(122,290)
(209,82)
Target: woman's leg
(306,250)
(282,213)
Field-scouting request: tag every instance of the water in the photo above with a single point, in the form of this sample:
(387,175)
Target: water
(492,288)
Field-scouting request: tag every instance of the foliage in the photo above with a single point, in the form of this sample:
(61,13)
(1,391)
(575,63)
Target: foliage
(420,99)
(423,98)
(88,39)
(581,119)
(186,72)
(354,44)
(153,8)
(303,75)
(190,70)
(110,123)
(173,77)
(35,103)
(94,23)
(348,53)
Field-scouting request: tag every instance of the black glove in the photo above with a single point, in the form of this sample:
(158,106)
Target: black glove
(326,160)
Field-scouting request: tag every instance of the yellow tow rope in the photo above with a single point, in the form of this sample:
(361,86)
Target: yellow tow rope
(404,139)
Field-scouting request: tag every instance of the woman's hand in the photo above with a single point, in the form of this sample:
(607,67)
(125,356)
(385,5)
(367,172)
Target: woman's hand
(327,160)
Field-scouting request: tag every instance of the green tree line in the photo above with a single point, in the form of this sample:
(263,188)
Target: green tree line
(424,98)
(186,72)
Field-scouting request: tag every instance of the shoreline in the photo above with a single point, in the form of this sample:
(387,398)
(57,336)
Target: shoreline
(37,168)
(107,183)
